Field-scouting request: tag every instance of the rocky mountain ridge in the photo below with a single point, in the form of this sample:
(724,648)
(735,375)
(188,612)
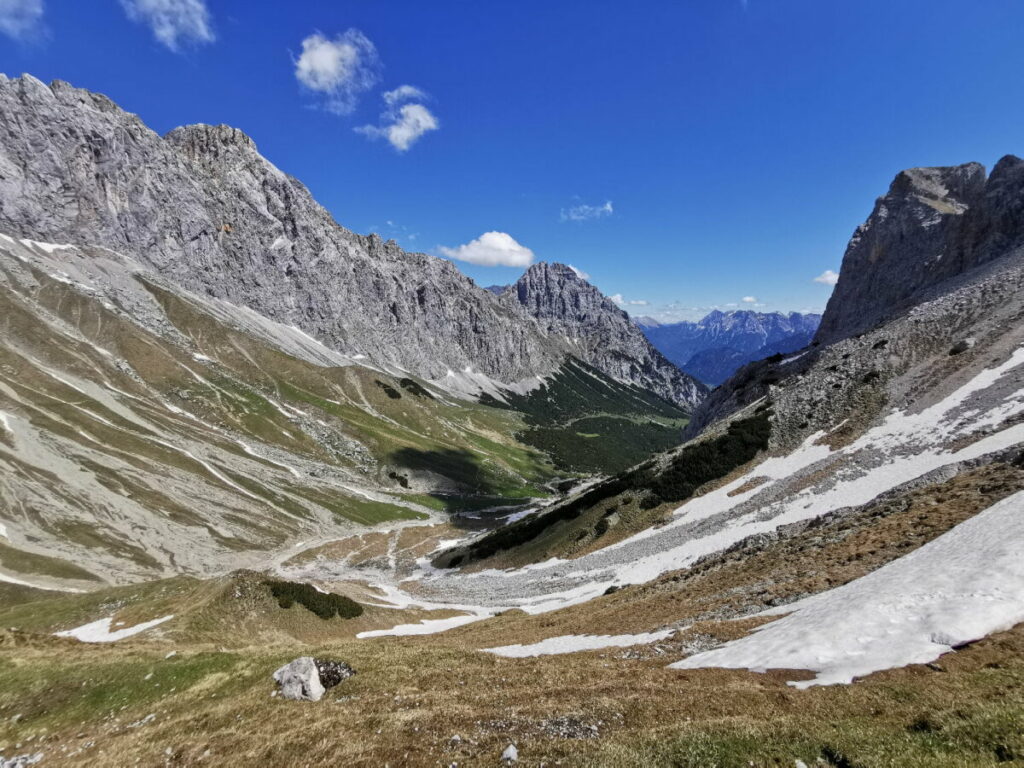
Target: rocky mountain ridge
(925,275)
(203,208)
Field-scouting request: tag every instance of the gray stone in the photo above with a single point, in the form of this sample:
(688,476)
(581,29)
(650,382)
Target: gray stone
(932,225)
(300,680)
(510,755)
(21,761)
(962,346)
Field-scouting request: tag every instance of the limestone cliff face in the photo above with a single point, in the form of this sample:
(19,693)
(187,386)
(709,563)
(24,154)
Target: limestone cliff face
(932,225)
(598,331)
(201,206)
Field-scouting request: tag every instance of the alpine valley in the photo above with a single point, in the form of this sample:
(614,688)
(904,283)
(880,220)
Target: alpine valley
(274,492)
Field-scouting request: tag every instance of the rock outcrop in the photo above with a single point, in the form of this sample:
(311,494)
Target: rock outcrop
(934,270)
(599,332)
(299,680)
(932,225)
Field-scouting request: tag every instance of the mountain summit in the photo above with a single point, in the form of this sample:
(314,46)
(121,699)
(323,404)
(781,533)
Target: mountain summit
(933,224)
(202,207)
(598,331)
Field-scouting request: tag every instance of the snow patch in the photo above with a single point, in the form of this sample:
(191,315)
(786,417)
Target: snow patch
(962,586)
(99,631)
(47,247)
(573,643)
(425,627)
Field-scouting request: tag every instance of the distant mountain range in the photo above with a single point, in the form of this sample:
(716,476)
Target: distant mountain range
(713,348)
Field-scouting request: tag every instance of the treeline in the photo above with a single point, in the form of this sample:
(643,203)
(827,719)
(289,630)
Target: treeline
(695,465)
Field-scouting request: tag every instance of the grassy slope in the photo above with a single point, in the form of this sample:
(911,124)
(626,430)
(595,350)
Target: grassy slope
(411,695)
(143,391)
(375,427)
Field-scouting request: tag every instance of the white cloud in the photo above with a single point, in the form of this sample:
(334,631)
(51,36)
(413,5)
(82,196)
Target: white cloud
(622,302)
(340,69)
(750,300)
(828,277)
(173,22)
(492,249)
(579,272)
(584,212)
(402,125)
(404,93)
(21,19)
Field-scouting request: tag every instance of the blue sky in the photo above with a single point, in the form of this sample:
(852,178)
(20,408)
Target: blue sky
(683,154)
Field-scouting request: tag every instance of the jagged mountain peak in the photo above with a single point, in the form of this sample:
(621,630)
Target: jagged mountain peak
(553,290)
(600,333)
(202,207)
(954,183)
(213,141)
(713,347)
(932,225)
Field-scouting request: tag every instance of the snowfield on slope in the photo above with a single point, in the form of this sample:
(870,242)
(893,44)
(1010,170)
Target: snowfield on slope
(960,587)
(811,481)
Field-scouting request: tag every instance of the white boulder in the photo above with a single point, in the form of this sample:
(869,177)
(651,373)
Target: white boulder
(300,680)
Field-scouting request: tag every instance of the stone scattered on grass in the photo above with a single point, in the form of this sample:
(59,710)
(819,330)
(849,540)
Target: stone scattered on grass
(510,755)
(306,678)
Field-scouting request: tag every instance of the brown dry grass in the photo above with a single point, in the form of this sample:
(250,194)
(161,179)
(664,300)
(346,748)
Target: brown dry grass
(411,696)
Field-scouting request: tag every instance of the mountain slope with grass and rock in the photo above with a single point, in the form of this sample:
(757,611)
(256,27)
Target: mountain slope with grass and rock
(201,207)
(218,512)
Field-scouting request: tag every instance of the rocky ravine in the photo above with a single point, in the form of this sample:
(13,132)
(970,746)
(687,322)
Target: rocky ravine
(598,331)
(202,207)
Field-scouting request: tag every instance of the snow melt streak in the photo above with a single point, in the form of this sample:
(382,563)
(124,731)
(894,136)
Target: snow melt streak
(960,587)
